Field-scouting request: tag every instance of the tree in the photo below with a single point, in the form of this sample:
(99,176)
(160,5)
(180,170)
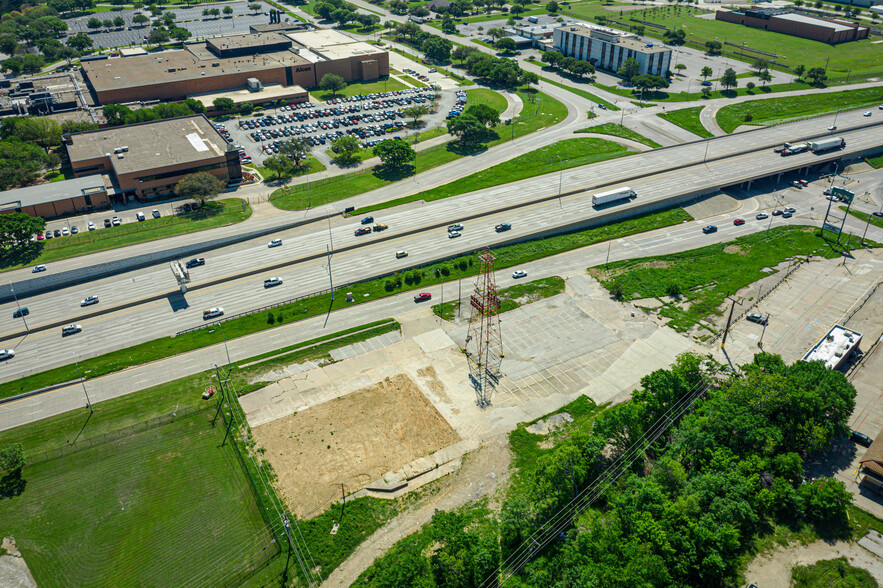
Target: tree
(332,83)
(496,33)
(246,108)
(466,128)
(107,23)
(345,149)
(140,19)
(675,37)
(760,64)
(799,71)
(420,11)
(817,75)
(553,58)
(728,80)
(200,186)
(750,85)
(461,52)
(76,126)
(706,92)
(12,457)
(506,45)
(415,113)
(437,48)
(706,71)
(680,67)
(45,132)
(580,68)
(180,33)
(552,7)
(93,23)
(228,10)
(17,228)
(630,68)
(279,163)
(484,114)
(516,9)
(765,76)
(119,22)
(296,149)
(223,104)
(254,6)
(81,42)
(713,47)
(158,36)
(394,153)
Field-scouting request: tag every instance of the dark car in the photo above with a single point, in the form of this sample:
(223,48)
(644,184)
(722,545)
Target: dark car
(709,229)
(23,311)
(756,317)
(502,227)
(367,220)
(422,296)
(196,261)
(861,439)
(106,223)
(363,231)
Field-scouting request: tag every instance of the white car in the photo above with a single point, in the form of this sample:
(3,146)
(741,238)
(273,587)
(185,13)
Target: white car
(7,354)
(89,300)
(140,216)
(38,269)
(275,243)
(519,274)
(832,128)
(117,221)
(70,330)
(868,113)
(270,282)
(452,234)
(212,313)
(65,231)
(91,226)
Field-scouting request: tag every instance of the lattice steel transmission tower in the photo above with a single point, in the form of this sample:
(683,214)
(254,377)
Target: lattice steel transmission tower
(484,341)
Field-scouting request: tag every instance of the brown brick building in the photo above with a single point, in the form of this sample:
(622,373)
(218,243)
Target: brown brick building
(146,160)
(782,20)
(226,63)
(56,198)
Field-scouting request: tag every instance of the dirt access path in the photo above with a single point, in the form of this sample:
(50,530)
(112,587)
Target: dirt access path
(482,473)
(772,569)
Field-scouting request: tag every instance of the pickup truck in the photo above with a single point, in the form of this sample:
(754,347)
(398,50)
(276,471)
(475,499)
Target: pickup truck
(196,261)
(380,227)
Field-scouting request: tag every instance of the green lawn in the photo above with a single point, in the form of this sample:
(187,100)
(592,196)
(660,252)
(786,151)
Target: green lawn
(511,297)
(876,162)
(363,292)
(704,277)
(663,96)
(616,130)
(780,110)
(831,573)
(159,508)
(561,155)
(387,84)
(493,99)
(581,92)
(687,118)
(859,59)
(539,112)
(227,211)
(309,166)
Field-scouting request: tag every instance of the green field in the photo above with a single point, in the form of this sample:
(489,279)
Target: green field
(616,130)
(831,573)
(581,92)
(704,277)
(876,162)
(561,155)
(687,118)
(227,211)
(860,60)
(310,165)
(511,297)
(540,111)
(162,507)
(773,111)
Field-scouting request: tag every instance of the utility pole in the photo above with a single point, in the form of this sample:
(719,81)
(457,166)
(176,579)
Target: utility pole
(729,320)
(330,281)
(560,179)
(459,296)
(230,404)
(20,313)
(83,382)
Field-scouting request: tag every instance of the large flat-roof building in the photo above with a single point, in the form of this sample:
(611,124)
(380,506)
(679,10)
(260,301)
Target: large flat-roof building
(607,49)
(147,160)
(784,20)
(226,63)
(834,348)
(56,198)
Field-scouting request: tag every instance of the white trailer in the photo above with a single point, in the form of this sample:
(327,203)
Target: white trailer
(613,195)
(827,144)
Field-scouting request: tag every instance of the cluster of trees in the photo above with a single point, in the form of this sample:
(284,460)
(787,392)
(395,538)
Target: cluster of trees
(496,70)
(16,228)
(342,12)
(22,162)
(818,75)
(291,154)
(117,114)
(394,153)
(686,512)
(200,186)
(576,67)
(630,70)
(33,26)
(471,127)
(39,130)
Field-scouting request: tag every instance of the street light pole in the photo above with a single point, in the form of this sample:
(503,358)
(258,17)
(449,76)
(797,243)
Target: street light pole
(83,382)
(19,308)
(560,179)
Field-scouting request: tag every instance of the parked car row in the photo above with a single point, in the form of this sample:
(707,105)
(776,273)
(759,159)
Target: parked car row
(74,229)
(462,98)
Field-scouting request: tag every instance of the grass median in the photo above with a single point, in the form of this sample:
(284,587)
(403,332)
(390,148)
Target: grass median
(687,118)
(580,92)
(865,217)
(694,284)
(616,130)
(774,111)
(227,211)
(561,155)
(459,267)
(511,297)
(540,111)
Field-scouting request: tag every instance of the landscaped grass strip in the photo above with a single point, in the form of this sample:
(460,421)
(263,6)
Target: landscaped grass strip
(616,130)
(511,297)
(462,266)
(687,118)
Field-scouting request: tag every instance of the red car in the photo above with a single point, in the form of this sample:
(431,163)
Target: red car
(423,296)
(739,221)
(363,231)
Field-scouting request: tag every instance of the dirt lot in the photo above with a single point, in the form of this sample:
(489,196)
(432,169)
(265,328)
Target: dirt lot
(351,440)
(773,569)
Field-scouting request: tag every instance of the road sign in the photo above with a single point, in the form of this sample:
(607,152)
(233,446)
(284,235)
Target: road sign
(844,194)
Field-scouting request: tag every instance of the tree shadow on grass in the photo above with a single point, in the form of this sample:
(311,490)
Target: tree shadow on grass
(12,484)
(389,173)
(20,255)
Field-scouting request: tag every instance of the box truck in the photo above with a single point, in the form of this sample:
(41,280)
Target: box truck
(827,144)
(613,196)
(790,149)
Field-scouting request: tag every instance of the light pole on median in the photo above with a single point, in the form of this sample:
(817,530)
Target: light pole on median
(83,382)
(560,179)
(21,314)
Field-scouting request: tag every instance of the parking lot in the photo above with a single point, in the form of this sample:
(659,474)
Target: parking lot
(125,213)
(370,118)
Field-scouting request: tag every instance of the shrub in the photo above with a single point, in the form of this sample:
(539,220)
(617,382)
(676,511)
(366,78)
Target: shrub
(748,117)
(409,278)
(616,290)
(445,271)
(270,318)
(389,286)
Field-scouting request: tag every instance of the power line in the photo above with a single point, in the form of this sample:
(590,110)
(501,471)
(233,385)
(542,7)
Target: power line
(562,519)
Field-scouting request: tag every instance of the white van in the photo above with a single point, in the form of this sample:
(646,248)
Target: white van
(401,254)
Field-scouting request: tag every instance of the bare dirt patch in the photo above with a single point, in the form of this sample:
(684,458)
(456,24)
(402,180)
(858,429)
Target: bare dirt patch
(351,440)
(735,250)
(773,568)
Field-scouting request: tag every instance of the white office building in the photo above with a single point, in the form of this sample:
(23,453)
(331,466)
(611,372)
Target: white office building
(607,48)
